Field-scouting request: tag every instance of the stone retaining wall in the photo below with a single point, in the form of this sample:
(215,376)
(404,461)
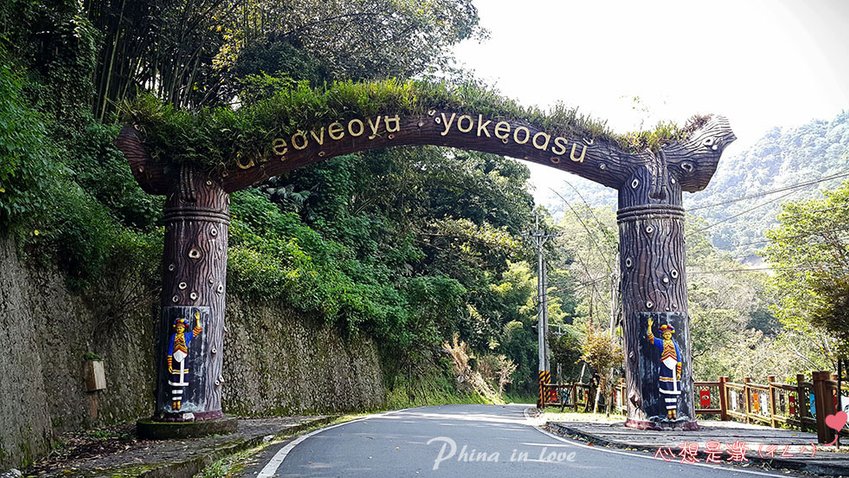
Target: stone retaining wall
(276,362)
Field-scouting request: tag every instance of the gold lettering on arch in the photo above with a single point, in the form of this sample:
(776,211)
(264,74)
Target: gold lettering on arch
(503,131)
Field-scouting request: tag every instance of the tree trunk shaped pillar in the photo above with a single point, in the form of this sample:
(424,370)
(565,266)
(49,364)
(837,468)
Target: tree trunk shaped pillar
(658,352)
(654,289)
(190,347)
(651,226)
(190,352)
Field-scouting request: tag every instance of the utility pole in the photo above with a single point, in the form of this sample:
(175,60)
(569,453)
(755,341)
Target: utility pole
(540,238)
(614,309)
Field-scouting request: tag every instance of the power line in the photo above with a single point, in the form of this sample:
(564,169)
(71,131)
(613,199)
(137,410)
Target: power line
(797,236)
(744,212)
(778,190)
(839,206)
(589,234)
(601,226)
(764,269)
(807,234)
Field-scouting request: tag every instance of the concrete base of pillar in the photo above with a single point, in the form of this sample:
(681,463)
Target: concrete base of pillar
(155,430)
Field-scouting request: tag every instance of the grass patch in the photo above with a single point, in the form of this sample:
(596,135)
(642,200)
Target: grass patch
(528,398)
(432,389)
(217,138)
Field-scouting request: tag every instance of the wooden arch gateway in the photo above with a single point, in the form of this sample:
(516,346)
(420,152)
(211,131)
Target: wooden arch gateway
(653,282)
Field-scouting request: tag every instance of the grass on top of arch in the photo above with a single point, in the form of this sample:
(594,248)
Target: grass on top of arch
(216,137)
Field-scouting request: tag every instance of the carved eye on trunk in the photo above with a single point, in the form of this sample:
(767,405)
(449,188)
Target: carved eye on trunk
(687,166)
(711,143)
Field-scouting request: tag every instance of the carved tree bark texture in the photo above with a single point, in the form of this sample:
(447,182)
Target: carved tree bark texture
(601,161)
(650,216)
(195,274)
(652,261)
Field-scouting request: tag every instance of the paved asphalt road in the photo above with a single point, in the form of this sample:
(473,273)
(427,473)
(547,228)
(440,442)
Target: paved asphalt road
(468,441)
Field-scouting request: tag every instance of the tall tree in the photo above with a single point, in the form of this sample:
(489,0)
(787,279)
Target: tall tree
(809,252)
(193,52)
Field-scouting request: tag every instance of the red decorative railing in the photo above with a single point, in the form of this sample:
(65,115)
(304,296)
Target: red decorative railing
(803,405)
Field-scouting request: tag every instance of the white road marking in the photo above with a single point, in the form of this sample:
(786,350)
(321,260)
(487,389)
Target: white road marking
(646,457)
(270,469)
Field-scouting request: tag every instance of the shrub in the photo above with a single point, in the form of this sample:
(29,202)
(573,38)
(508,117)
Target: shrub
(26,168)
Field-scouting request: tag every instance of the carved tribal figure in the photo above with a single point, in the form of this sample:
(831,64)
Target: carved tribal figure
(670,367)
(178,350)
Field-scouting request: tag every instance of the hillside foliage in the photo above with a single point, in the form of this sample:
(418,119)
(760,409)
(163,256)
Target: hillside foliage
(409,246)
(416,247)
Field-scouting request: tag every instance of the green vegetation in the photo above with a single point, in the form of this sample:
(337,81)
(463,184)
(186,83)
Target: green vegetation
(808,253)
(780,160)
(423,249)
(217,137)
(743,323)
(735,330)
(409,246)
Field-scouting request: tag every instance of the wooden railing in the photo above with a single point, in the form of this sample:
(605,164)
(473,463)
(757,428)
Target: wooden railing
(802,405)
(773,403)
(576,395)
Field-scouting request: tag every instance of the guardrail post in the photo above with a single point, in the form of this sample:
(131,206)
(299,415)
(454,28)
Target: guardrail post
(823,405)
(575,396)
(769,380)
(623,407)
(723,399)
(801,400)
(747,395)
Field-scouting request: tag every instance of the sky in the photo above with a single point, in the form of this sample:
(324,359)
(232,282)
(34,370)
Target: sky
(761,63)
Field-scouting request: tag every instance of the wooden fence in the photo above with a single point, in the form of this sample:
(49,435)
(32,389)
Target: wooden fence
(802,405)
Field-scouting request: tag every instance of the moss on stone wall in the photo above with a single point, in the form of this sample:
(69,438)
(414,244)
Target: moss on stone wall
(276,362)
(281,363)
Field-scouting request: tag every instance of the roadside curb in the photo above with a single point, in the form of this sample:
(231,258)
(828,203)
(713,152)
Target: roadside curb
(193,466)
(816,468)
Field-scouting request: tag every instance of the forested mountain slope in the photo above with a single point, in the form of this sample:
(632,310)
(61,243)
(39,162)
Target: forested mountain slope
(780,160)
(739,205)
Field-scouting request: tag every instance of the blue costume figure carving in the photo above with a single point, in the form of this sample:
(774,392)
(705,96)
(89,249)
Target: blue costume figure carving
(669,382)
(178,351)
